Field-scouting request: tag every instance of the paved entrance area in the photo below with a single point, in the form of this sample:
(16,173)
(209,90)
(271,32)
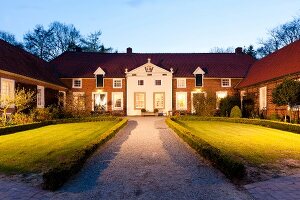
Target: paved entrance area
(146,160)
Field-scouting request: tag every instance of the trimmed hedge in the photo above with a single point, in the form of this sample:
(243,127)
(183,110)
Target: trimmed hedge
(56,177)
(295,128)
(232,167)
(24,127)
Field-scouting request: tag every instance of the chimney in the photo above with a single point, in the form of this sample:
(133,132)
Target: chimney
(129,50)
(238,50)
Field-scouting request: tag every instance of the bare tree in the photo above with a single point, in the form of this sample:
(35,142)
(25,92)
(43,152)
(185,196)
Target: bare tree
(92,43)
(10,38)
(221,50)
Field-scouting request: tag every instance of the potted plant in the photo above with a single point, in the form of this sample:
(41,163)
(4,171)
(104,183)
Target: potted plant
(156,111)
(143,110)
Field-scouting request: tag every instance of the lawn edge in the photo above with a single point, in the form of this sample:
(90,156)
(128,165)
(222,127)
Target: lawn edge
(232,167)
(54,178)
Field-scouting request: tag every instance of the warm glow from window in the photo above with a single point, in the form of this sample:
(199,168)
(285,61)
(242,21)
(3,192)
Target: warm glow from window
(181,101)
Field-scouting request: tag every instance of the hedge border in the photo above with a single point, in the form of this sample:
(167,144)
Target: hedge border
(24,127)
(294,128)
(56,177)
(231,166)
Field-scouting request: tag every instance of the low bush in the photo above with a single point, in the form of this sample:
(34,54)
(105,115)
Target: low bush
(56,177)
(236,112)
(295,128)
(21,118)
(230,166)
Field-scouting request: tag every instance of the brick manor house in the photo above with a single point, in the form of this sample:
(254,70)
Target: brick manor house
(130,82)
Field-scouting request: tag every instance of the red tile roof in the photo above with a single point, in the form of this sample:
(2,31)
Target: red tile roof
(19,61)
(278,64)
(83,64)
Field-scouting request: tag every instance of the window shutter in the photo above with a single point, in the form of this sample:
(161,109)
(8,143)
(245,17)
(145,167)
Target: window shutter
(99,80)
(199,79)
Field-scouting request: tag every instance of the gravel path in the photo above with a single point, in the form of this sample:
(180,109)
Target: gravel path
(146,160)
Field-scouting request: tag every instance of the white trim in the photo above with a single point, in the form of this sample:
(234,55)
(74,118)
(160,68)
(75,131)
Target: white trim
(113,100)
(198,71)
(93,93)
(99,71)
(42,103)
(181,79)
(185,107)
(76,79)
(263,93)
(229,79)
(116,79)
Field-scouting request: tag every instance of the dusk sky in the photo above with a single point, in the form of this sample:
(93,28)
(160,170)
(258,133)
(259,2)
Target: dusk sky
(155,25)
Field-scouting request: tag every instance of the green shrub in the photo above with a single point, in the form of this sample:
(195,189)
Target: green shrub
(21,118)
(236,112)
(204,104)
(227,103)
(232,167)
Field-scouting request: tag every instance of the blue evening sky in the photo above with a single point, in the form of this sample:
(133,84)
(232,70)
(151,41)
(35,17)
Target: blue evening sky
(155,25)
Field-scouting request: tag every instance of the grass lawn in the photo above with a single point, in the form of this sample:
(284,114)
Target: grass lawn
(255,144)
(43,148)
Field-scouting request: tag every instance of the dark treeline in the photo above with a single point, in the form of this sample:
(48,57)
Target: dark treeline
(48,43)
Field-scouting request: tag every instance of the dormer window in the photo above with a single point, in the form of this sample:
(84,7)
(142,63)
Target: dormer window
(99,81)
(77,83)
(199,80)
(199,73)
(99,75)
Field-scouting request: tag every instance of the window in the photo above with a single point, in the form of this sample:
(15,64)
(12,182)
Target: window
(100,101)
(99,81)
(181,83)
(40,97)
(117,83)
(220,95)
(159,100)
(139,100)
(157,82)
(199,80)
(181,101)
(226,82)
(77,83)
(78,101)
(262,98)
(7,89)
(140,82)
(117,99)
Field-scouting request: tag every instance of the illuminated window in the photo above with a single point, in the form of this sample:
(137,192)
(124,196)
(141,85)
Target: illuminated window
(220,95)
(77,83)
(181,83)
(157,82)
(262,98)
(226,82)
(159,100)
(7,90)
(117,99)
(139,100)
(140,82)
(181,101)
(78,101)
(40,97)
(117,83)
(100,101)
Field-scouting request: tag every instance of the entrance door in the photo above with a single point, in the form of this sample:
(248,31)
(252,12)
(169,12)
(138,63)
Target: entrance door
(100,102)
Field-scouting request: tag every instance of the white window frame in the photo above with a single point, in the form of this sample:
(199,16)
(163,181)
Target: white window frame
(113,100)
(117,79)
(224,79)
(139,82)
(154,100)
(158,80)
(263,101)
(185,107)
(11,81)
(139,108)
(76,79)
(42,103)
(93,93)
(181,85)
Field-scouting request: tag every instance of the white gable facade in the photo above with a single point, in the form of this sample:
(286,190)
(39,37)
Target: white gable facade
(149,87)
